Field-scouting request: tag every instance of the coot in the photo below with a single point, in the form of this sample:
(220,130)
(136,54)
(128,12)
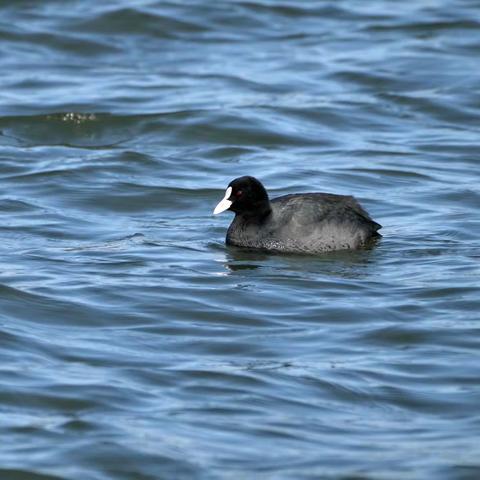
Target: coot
(298,223)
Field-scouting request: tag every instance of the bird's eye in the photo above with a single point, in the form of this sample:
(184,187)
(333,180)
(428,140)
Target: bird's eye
(238,193)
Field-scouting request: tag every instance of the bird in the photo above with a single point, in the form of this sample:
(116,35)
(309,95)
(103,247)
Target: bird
(304,223)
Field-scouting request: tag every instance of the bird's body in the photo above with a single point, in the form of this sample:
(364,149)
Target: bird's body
(299,223)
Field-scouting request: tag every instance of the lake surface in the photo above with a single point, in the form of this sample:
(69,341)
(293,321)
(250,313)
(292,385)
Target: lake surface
(134,344)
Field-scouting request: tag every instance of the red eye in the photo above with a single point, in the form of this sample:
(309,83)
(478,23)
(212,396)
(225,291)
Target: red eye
(238,193)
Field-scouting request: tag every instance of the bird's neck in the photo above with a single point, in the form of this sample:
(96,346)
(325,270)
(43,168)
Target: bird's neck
(259,213)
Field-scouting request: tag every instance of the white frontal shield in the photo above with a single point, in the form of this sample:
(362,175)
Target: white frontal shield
(225,203)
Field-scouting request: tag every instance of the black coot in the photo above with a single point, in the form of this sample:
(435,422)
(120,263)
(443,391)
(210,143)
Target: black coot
(298,223)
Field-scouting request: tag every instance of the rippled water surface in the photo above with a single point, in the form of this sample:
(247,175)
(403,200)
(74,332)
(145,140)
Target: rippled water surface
(134,344)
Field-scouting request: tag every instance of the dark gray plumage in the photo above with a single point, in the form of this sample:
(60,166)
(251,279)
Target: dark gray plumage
(298,223)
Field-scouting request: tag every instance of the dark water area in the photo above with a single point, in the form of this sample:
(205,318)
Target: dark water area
(134,344)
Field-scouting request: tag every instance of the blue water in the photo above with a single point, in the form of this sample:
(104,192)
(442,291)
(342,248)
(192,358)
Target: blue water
(134,344)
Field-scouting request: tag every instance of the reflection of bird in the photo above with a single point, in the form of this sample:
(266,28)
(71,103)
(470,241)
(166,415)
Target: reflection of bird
(298,223)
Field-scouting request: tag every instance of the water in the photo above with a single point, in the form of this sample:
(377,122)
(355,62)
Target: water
(134,344)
